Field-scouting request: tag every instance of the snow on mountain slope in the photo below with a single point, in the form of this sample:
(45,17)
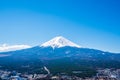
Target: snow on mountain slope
(5,47)
(59,42)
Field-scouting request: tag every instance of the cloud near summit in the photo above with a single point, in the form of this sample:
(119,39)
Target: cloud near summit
(6,47)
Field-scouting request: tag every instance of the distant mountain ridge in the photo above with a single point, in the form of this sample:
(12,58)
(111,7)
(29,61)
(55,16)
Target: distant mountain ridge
(62,47)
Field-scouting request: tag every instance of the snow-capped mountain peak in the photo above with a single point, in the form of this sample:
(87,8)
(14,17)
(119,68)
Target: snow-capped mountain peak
(59,42)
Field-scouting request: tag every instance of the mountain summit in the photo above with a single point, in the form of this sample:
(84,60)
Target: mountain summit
(58,42)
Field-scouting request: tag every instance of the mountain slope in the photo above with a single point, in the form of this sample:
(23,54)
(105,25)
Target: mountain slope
(64,59)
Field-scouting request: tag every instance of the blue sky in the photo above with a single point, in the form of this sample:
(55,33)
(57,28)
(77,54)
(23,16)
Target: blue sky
(89,23)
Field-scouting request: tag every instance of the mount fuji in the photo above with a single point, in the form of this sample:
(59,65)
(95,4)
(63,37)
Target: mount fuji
(59,55)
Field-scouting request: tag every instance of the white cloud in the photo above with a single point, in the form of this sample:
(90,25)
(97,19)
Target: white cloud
(6,47)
